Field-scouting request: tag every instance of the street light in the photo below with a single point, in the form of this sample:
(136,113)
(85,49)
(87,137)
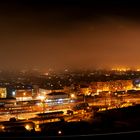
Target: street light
(24,94)
(42,98)
(72,96)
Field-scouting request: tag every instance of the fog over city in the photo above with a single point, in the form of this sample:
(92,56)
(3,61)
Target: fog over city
(69,68)
(75,36)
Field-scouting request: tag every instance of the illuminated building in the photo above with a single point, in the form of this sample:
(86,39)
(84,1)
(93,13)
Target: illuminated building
(3,93)
(136,82)
(46,91)
(55,98)
(85,89)
(23,94)
(115,85)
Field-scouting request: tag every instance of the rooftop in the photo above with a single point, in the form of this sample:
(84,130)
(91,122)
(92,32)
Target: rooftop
(57,93)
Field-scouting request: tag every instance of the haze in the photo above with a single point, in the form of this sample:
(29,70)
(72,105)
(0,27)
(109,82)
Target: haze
(72,36)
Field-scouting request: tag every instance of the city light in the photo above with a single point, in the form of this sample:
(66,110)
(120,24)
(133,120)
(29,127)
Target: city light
(28,127)
(121,69)
(59,132)
(13,93)
(69,70)
(72,96)
(24,93)
(42,98)
(2,127)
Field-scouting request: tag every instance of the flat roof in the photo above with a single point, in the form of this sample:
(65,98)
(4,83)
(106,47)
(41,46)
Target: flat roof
(57,93)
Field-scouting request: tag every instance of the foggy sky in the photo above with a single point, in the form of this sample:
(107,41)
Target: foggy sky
(72,36)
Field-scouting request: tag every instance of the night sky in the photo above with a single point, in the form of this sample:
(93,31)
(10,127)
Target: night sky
(69,34)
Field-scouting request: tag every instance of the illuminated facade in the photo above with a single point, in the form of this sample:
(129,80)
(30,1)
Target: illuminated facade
(3,93)
(44,92)
(116,85)
(85,90)
(57,98)
(23,94)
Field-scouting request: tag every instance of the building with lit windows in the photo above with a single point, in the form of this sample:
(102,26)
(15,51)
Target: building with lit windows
(23,94)
(85,89)
(46,91)
(57,98)
(114,85)
(3,92)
